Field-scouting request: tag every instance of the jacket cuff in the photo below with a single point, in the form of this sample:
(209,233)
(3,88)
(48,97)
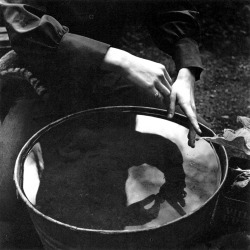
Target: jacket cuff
(81,53)
(187,55)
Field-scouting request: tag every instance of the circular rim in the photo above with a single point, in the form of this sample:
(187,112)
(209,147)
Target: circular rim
(140,110)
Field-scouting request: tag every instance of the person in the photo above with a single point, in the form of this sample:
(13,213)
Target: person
(77,43)
(39,33)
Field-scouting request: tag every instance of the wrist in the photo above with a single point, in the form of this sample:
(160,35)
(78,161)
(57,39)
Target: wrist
(116,60)
(186,74)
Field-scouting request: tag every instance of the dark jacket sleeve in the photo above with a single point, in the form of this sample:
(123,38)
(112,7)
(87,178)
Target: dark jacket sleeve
(38,36)
(175,29)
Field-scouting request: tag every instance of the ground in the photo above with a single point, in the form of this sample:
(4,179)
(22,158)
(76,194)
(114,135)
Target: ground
(223,93)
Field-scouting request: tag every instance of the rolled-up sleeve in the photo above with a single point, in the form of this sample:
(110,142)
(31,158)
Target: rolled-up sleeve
(41,38)
(175,29)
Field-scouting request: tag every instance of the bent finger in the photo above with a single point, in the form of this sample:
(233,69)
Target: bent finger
(164,90)
(165,81)
(168,78)
(191,135)
(171,109)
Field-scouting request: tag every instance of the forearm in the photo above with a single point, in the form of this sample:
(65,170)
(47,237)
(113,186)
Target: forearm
(115,60)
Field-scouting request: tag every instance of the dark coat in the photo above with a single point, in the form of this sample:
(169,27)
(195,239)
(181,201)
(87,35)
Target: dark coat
(80,32)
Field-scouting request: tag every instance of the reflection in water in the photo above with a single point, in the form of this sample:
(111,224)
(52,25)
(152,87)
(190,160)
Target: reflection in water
(32,172)
(117,174)
(149,197)
(108,176)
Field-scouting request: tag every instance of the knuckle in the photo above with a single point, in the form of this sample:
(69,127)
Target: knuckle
(168,95)
(161,66)
(161,69)
(149,86)
(159,74)
(193,106)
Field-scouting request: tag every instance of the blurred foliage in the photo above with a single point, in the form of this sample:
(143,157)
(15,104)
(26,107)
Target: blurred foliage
(224,25)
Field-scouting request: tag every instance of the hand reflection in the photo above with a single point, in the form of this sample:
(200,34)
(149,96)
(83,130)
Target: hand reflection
(158,175)
(146,210)
(143,211)
(173,189)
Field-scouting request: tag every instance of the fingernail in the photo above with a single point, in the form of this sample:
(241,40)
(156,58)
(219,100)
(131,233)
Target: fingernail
(170,115)
(191,143)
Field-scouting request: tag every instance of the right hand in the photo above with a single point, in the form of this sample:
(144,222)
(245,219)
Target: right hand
(183,94)
(146,74)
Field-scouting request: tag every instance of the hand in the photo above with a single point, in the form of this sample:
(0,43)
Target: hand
(143,211)
(146,74)
(183,94)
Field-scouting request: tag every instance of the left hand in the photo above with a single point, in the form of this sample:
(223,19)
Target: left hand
(146,74)
(183,94)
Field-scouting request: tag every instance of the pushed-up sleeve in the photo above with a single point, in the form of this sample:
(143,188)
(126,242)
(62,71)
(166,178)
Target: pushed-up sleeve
(175,29)
(40,37)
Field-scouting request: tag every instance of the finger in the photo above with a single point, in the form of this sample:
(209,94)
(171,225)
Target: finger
(191,136)
(165,80)
(169,80)
(153,212)
(181,201)
(164,90)
(148,200)
(187,109)
(171,109)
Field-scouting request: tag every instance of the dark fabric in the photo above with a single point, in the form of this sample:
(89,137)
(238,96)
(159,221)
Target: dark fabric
(187,56)
(41,40)
(175,29)
(36,29)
